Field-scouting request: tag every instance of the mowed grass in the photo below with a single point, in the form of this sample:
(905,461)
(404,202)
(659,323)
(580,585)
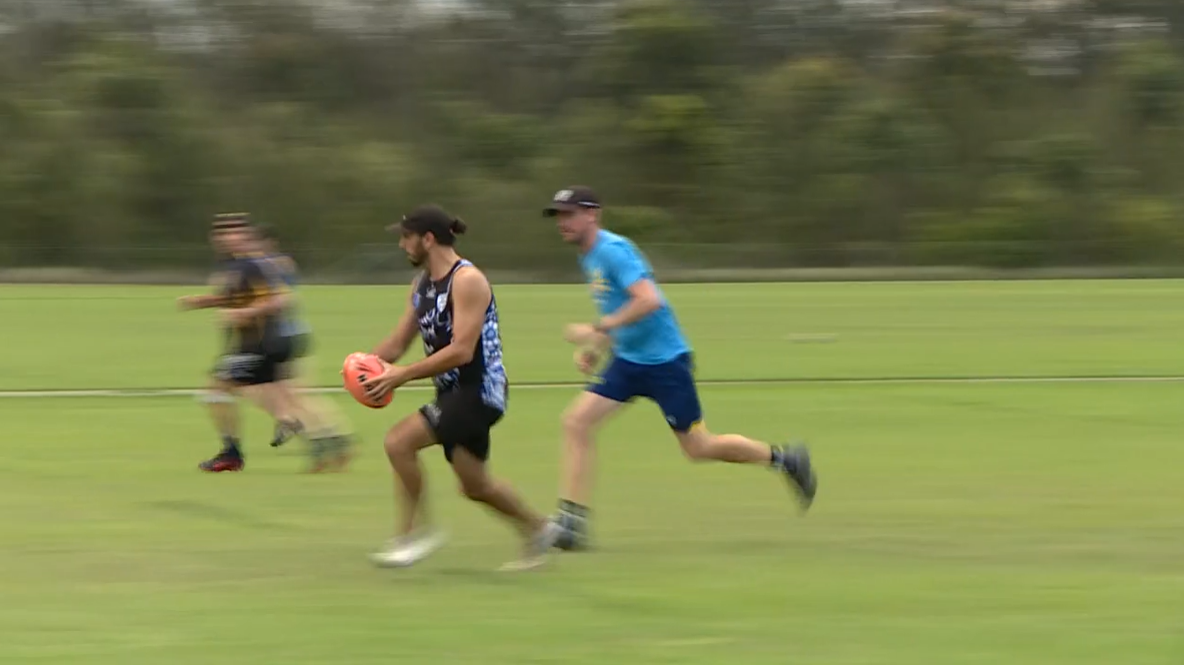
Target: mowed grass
(997,523)
(133,337)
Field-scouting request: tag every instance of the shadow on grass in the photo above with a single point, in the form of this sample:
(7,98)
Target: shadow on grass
(220,514)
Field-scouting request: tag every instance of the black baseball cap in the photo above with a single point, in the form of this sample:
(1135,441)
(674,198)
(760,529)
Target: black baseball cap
(429,219)
(575,197)
(225,221)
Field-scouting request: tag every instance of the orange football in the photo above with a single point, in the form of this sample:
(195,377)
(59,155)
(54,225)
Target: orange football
(358,368)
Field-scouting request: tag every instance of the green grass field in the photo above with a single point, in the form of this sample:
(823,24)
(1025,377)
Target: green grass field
(1006,523)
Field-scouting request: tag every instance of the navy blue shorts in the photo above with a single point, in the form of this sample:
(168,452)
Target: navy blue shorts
(671,385)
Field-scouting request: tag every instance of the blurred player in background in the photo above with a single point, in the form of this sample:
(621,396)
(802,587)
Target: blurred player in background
(252,298)
(650,358)
(315,417)
(452,308)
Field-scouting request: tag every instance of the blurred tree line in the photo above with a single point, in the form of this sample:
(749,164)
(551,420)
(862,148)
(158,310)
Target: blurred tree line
(720,132)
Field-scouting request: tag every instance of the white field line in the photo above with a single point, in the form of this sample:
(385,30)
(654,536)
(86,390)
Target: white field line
(195,392)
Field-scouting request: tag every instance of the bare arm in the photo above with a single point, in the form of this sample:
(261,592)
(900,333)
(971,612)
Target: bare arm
(396,344)
(217,283)
(202,301)
(582,334)
(470,298)
(644,300)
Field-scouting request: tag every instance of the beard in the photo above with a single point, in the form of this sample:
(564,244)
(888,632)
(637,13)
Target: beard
(416,260)
(571,236)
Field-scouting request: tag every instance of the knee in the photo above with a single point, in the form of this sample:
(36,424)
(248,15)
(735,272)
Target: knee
(695,452)
(218,396)
(575,425)
(397,446)
(695,446)
(476,489)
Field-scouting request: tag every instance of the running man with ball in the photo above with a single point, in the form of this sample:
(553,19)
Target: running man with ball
(452,308)
(650,358)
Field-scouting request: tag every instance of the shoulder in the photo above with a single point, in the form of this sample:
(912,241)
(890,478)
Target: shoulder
(469,281)
(620,257)
(608,237)
(260,268)
(469,276)
(257,264)
(616,246)
(286,263)
(240,265)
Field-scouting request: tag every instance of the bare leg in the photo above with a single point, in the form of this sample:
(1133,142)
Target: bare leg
(538,534)
(403,443)
(267,397)
(322,413)
(580,422)
(325,427)
(479,486)
(698,444)
(290,419)
(582,419)
(224,409)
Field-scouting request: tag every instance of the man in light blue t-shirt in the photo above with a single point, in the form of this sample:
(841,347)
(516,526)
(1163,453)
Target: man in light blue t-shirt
(650,358)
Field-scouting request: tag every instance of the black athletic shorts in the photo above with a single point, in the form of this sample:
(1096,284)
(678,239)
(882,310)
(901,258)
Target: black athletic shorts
(460,417)
(301,344)
(257,364)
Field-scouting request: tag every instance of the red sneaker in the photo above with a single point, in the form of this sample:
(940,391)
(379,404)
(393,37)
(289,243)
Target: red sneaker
(223,461)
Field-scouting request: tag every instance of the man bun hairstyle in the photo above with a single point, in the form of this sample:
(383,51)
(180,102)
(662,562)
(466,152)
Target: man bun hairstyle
(434,220)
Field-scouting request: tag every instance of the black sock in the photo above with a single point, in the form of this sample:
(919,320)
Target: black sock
(776,456)
(289,426)
(230,445)
(573,518)
(323,445)
(572,508)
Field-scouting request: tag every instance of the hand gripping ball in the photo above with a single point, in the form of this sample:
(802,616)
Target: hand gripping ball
(358,368)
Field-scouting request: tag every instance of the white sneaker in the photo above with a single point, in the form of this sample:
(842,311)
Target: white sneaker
(535,555)
(408,550)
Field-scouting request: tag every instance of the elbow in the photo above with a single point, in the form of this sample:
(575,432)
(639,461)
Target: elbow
(464,355)
(652,303)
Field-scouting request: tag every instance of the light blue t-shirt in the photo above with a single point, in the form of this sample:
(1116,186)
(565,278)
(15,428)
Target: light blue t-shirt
(613,265)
